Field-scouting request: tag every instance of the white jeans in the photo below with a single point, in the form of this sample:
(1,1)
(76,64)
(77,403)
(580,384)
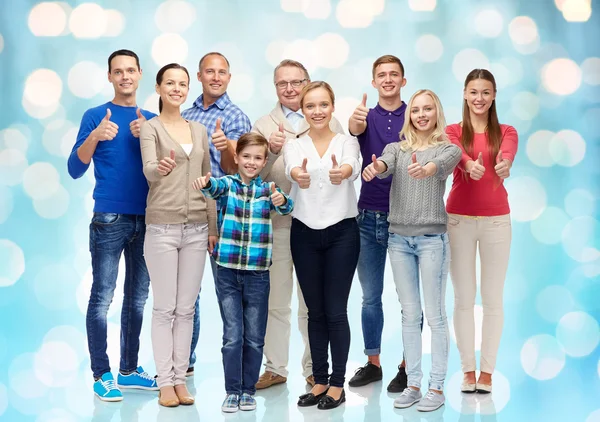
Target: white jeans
(493,236)
(175,256)
(277,339)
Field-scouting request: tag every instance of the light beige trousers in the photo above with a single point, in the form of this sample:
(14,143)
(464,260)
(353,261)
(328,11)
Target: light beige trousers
(277,339)
(492,237)
(175,256)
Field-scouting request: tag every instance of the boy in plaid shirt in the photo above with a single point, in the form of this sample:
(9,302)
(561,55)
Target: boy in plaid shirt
(243,256)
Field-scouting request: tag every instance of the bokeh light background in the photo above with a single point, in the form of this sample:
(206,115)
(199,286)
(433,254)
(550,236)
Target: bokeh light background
(546,59)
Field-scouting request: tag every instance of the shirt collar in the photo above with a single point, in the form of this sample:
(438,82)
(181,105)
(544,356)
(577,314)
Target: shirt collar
(222,102)
(256,181)
(287,111)
(398,112)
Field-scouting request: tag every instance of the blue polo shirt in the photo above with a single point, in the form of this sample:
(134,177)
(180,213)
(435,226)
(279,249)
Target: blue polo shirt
(383,127)
(121,186)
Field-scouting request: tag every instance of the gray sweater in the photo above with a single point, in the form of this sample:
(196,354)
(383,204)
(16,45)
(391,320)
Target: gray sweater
(417,205)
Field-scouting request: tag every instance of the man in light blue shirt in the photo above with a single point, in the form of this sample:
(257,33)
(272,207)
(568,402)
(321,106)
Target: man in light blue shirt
(225,123)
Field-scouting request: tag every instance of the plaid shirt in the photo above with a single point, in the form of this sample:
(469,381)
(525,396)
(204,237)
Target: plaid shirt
(234,124)
(245,231)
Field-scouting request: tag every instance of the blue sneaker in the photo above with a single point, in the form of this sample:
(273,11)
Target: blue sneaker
(106,389)
(247,402)
(138,379)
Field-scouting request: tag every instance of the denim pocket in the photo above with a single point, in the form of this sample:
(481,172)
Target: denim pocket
(105,218)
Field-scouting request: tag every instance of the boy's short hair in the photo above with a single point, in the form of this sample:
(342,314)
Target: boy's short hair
(249,139)
(388,58)
(123,53)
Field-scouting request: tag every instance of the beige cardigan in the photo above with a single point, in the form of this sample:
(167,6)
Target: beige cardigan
(274,170)
(171,199)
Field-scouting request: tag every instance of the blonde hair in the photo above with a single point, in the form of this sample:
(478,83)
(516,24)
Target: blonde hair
(408,134)
(315,85)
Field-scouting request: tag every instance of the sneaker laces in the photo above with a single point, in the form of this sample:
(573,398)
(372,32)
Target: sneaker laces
(430,395)
(407,391)
(362,368)
(146,375)
(109,385)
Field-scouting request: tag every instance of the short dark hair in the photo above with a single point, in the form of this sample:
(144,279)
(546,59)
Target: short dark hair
(388,58)
(161,73)
(249,139)
(213,53)
(123,53)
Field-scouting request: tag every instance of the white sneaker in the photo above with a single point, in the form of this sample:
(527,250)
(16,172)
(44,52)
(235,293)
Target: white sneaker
(407,398)
(431,401)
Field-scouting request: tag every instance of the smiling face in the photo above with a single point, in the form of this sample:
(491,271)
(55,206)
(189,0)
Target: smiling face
(317,107)
(388,80)
(289,95)
(174,88)
(214,76)
(124,75)
(423,114)
(479,95)
(250,161)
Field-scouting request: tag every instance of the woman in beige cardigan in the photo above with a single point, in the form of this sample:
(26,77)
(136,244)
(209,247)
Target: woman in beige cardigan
(180,227)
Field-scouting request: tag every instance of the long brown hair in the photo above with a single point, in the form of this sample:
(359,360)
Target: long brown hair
(493,131)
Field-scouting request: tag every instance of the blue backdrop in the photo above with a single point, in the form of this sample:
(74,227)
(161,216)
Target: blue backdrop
(546,60)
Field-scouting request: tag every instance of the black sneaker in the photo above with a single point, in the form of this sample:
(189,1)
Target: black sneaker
(400,381)
(189,372)
(366,375)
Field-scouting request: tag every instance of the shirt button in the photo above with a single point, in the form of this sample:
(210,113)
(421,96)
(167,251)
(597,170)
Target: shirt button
(320,185)
(389,114)
(389,128)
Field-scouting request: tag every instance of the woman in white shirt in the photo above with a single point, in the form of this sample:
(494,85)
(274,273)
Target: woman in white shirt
(325,241)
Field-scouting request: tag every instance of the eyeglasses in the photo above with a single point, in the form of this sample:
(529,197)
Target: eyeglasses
(295,83)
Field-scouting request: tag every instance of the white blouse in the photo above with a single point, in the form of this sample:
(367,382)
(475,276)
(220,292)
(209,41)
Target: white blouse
(187,148)
(323,204)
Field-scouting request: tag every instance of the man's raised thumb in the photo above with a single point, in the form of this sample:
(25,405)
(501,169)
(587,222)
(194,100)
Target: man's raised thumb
(364,100)
(108,115)
(172,154)
(139,113)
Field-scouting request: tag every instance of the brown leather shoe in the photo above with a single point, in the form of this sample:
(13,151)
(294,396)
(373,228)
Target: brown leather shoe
(268,379)
(168,403)
(184,395)
(310,380)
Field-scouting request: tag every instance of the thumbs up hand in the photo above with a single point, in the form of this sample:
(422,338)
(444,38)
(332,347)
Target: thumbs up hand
(136,124)
(376,167)
(277,139)
(106,130)
(336,174)
(219,139)
(475,168)
(201,182)
(277,197)
(502,167)
(301,175)
(167,164)
(415,169)
(360,112)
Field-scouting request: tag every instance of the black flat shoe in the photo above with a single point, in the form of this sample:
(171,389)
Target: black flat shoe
(309,399)
(329,402)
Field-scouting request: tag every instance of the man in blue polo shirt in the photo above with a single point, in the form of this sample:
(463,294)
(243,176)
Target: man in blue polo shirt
(225,123)
(108,135)
(375,128)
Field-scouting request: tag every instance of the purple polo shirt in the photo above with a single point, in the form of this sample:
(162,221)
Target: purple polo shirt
(383,127)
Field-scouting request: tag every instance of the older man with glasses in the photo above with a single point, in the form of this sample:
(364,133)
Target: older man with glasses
(284,121)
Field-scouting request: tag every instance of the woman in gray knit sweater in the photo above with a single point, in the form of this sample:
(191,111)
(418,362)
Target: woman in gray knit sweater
(418,243)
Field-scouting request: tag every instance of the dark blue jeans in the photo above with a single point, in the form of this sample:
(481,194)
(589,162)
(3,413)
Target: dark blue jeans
(111,235)
(325,261)
(374,233)
(244,303)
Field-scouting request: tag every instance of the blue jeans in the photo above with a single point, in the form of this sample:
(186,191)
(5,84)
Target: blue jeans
(196,329)
(373,227)
(244,303)
(111,235)
(429,255)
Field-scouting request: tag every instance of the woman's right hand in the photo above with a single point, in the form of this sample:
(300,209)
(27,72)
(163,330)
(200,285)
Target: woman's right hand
(167,164)
(301,175)
(373,169)
(475,168)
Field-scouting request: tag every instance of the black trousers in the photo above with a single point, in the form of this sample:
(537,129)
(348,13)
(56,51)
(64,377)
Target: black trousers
(325,261)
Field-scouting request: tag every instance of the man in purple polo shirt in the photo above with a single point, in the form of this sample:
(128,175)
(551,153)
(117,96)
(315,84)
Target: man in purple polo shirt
(375,128)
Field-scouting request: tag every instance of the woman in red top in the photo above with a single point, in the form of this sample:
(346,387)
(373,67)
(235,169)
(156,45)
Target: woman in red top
(478,216)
